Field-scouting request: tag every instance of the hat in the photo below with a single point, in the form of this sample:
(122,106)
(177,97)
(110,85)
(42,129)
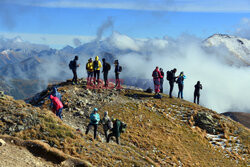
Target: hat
(105,113)
(95,109)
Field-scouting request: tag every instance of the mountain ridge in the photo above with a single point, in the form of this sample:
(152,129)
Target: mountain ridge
(166,132)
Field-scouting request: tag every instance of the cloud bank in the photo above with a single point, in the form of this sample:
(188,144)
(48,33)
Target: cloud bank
(225,87)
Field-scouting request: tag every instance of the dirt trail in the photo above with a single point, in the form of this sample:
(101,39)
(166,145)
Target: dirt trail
(16,156)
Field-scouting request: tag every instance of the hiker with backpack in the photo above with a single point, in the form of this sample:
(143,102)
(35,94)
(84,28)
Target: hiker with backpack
(73,66)
(105,70)
(55,93)
(156,78)
(90,71)
(118,70)
(118,128)
(57,106)
(94,120)
(161,80)
(97,66)
(171,79)
(180,82)
(197,89)
(107,124)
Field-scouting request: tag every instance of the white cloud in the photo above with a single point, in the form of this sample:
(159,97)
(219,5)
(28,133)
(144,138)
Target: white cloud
(150,5)
(123,42)
(243,29)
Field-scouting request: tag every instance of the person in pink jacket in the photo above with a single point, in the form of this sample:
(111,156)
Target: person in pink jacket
(156,77)
(57,106)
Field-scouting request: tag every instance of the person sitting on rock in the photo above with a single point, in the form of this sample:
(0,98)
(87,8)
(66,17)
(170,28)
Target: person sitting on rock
(94,120)
(57,106)
(107,124)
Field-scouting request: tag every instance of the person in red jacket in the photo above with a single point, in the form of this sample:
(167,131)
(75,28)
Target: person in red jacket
(57,106)
(156,78)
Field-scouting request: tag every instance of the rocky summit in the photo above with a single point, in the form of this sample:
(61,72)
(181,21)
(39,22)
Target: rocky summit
(160,132)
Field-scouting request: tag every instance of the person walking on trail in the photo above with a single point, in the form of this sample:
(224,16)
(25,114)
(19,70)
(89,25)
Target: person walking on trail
(107,124)
(57,106)
(161,80)
(105,70)
(156,78)
(180,82)
(73,66)
(55,93)
(197,89)
(171,78)
(97,66)
(116,130)
(94,120)
(118,70)
(90,70)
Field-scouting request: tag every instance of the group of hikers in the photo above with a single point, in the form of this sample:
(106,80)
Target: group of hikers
(114,125)
(93,71)
(158,79)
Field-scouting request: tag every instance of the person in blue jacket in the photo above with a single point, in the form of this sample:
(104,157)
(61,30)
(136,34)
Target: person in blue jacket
(180,82)
(94,120)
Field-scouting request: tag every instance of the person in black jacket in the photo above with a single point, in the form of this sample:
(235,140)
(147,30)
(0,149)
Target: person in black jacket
(105,70)
(197,89)
(117,73)
(74,70)
(172,79)
(161,80)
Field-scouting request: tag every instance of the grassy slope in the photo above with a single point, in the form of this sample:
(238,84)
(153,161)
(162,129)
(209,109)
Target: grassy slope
(153,137)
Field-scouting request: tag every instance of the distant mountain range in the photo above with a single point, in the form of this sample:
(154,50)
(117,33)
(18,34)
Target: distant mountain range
(22,60)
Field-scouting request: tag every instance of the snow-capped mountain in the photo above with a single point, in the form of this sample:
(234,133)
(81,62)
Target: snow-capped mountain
(239,47)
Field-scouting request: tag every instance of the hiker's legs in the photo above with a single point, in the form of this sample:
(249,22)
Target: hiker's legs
(117,140)
(90,75)
(198,99)
(194,98)
(59,113)
(75,76)
(105,133)
(109,136)
(117,80)
(180,93)
(171,84)
(98,75)
(88,127)
(95,130)
(105,77)
(161,86)
(95,73)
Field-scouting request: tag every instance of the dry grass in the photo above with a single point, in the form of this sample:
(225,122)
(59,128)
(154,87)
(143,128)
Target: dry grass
(153,136)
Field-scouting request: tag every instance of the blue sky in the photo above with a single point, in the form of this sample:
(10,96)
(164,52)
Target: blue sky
(58,22)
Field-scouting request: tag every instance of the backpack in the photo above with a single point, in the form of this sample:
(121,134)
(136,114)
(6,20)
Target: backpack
(120,69)
(71,64)
(169,75)
(123,127)
(180,79)
(108,66)
(158,96)
(95,65)
(149,90)
(155,74)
